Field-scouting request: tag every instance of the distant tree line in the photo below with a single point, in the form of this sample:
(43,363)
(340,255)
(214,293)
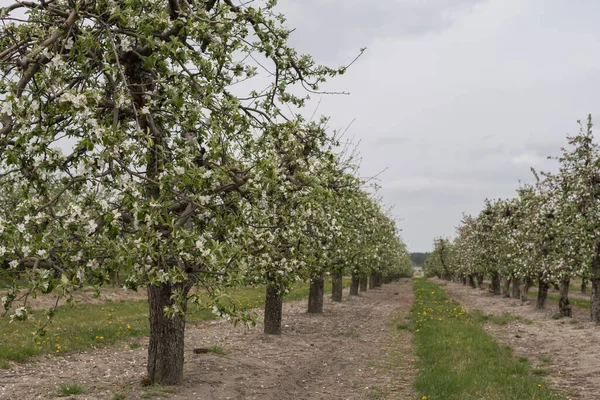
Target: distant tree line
(419,258)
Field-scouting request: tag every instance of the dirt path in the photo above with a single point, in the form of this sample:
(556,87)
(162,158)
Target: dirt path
(569,349)
(352,351)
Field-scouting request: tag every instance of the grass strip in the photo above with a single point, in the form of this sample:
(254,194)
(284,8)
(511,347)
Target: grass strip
(87,326)
(576,302)
(457,359)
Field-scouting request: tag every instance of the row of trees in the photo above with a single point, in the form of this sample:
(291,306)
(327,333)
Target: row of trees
(547,235)
(128,143)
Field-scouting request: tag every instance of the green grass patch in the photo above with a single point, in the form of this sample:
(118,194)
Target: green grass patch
(376,393)
(216,349)
(552,297)
(502,319)
(118,396)
(541,372)
(457,359)
(158,391)
(135,345)
(68,389)
(85,326)
(581,303)
(349,334)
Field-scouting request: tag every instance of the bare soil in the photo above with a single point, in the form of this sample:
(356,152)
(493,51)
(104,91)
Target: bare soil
(568,349)
(352,351)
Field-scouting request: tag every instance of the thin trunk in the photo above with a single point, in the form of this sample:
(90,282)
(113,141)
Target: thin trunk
(114,277)
(525,289)
(354,285)
(372,279)
(506,288)
(315,295)
(364,282)
(496,283)
(584,286)
(564,308)
(273,311)
(464,279)
(542,294)
(595,278)
(378,279)
(336,286)
(516,289)
(165,350)
(479,280)
(472,281)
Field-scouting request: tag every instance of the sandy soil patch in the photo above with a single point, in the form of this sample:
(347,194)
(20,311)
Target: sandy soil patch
(569,349)
(352,351)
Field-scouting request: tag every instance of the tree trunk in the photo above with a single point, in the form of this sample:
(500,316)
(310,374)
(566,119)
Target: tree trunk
(479,280)
(595,297)
(564,308)
(516,289)
(496,283)
(542,294)
(336,286)
(525,289)
(315,295)
(372,279)
(506,288)
(584,286)
(464,279)
(364,282)
(114,277)
(472,281)
(378,279)
(165,350)
(354,285)
(273,311)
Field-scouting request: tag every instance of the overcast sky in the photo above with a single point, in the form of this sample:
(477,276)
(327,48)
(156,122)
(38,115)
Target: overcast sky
(456,98)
